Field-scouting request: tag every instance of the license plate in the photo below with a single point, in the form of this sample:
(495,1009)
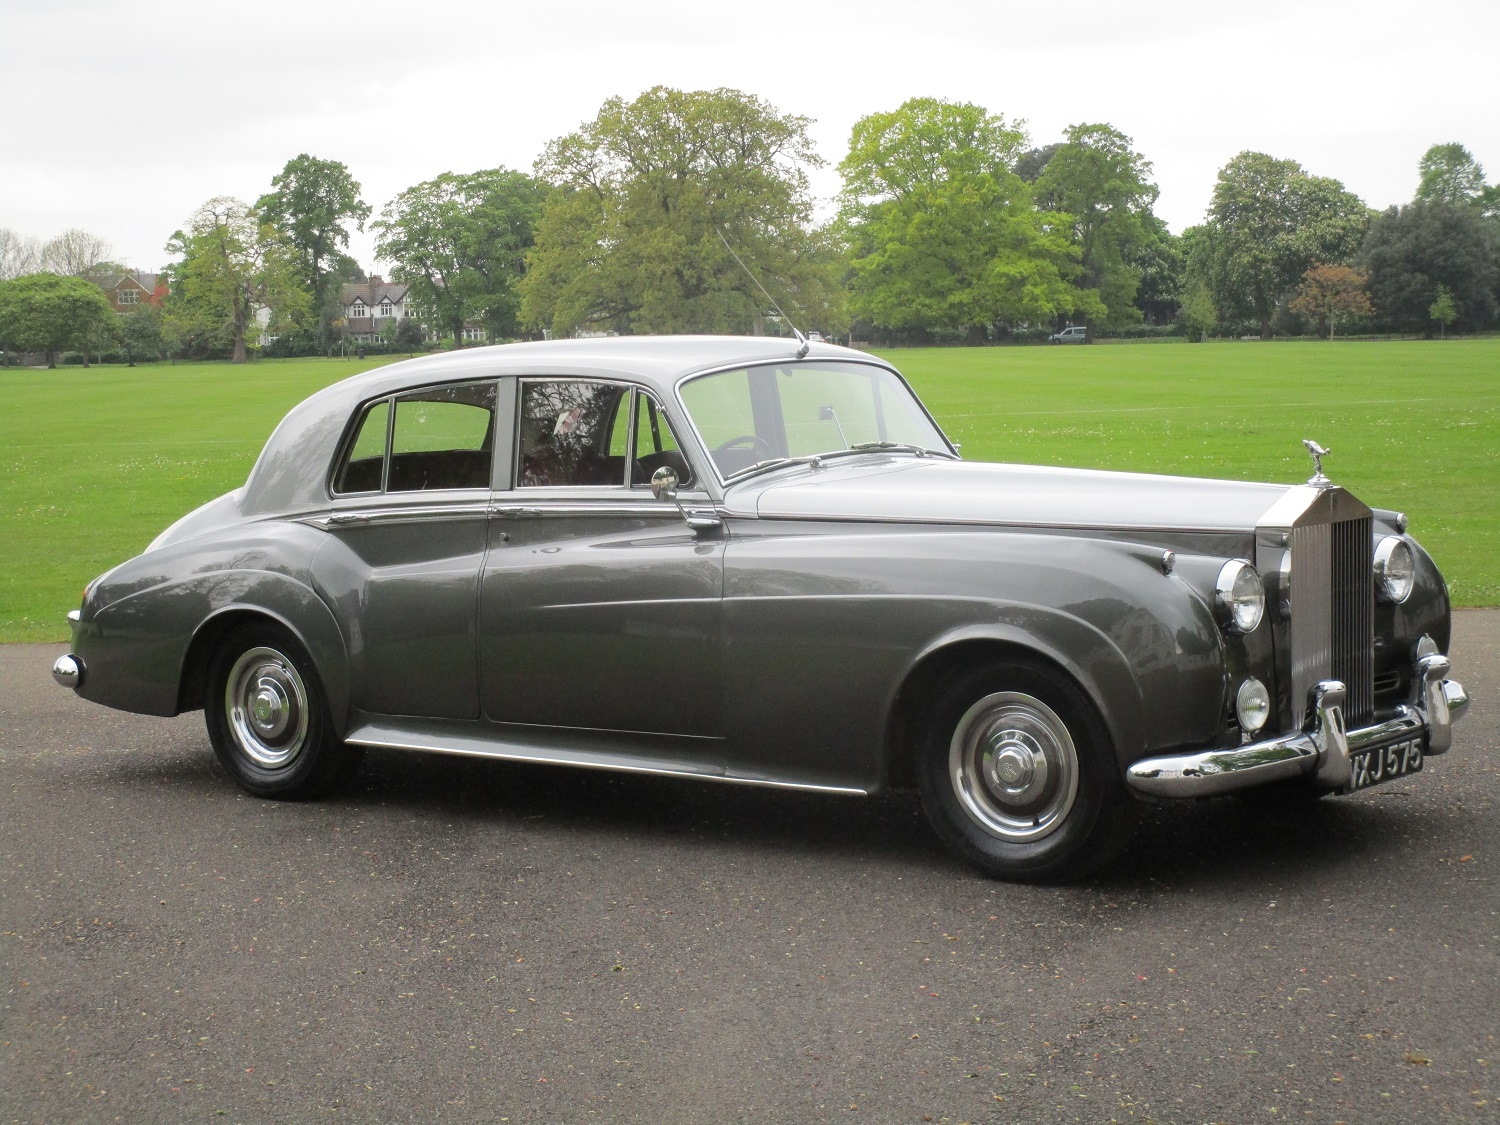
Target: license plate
(1384,763)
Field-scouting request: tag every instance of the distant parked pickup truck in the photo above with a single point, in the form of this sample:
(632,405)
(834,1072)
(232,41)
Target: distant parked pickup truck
(1076,334)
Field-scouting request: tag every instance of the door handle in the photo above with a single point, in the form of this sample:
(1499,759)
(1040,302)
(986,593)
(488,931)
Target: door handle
(343,519)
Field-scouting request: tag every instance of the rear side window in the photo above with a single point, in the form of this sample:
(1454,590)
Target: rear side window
(443,437)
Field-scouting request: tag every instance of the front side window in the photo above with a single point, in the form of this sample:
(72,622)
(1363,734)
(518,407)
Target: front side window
(572,433)
(764,413)
(442,437)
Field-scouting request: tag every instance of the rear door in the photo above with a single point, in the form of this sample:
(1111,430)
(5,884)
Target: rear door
(408,532)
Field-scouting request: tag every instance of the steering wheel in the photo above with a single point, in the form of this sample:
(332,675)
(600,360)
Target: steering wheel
(757,446)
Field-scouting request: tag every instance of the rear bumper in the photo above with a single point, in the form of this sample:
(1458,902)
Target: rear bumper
(1320,751)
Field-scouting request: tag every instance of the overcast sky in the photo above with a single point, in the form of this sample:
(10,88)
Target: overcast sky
(122,118)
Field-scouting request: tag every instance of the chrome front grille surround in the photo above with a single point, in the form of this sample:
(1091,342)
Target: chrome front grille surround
(1331,631)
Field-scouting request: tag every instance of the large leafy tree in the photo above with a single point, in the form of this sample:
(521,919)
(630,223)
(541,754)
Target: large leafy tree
(460,242)
(313,203)
(141,333)
(1162,262)
(46,312)
(1271,222)
(1450,174)
(1412,253)
(941,233)
(1097,179)
(631,239)
(232,267)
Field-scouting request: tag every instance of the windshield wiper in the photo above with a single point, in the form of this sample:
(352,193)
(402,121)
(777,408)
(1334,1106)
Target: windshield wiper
(897,447)
(817,459)
(778,462)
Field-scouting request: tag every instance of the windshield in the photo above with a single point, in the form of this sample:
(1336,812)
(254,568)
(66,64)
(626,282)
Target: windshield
(773,411)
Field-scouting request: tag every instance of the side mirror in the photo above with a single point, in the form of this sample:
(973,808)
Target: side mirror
(664,483)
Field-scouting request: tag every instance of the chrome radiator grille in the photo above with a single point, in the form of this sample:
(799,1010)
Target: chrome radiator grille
(1333,613)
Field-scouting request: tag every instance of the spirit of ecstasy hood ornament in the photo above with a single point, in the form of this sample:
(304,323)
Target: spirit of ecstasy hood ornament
(1318,453)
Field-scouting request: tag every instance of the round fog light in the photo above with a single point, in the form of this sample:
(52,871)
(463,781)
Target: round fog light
(1252,705)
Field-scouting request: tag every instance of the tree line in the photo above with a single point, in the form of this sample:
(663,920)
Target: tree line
(950,225)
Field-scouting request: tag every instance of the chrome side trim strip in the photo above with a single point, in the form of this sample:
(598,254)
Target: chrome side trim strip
(384,737)
(368,517)
(563,510)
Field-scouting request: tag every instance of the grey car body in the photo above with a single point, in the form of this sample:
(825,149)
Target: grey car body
(788,623)
(1075,334)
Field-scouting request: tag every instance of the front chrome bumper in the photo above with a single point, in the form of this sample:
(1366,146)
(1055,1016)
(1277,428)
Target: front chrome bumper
(1320,751)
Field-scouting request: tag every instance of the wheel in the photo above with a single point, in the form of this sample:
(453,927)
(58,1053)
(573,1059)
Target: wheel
(268,719)
(1018,774)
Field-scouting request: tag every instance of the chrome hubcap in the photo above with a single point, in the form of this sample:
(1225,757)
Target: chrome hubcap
(1014,766)
(267,707)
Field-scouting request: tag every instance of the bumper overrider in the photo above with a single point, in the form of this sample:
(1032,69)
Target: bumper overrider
(1323,750)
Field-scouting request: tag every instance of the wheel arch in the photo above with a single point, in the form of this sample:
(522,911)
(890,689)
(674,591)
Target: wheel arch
(317,632)
(1082,654)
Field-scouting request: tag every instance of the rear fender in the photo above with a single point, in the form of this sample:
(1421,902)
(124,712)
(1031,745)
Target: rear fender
(149,651)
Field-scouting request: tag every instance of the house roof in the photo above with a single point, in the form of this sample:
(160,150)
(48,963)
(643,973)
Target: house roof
(373,291)
(142,279)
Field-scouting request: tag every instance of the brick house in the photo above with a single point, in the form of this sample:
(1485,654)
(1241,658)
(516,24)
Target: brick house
(128,290)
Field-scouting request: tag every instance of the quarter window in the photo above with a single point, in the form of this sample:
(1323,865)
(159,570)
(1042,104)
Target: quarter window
(366,460)
(656,445)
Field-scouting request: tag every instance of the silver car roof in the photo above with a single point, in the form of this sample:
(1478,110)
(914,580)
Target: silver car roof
(292,470)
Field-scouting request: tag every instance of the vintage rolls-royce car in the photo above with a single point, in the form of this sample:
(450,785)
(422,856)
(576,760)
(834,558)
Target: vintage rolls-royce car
(759,561)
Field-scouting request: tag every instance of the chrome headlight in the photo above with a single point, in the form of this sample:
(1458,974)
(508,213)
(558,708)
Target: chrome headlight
(1395,569)
(1239,596)
(1252,705)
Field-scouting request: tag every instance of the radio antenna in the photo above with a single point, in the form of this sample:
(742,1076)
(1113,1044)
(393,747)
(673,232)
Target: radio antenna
(801,339)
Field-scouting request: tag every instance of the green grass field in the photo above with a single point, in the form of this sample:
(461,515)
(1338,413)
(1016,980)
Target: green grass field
(94,463)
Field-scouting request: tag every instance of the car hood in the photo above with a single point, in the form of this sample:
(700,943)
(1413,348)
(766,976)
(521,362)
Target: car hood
(941,491)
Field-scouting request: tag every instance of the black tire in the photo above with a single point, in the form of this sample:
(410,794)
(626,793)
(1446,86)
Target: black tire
(1018,774)
(268,718)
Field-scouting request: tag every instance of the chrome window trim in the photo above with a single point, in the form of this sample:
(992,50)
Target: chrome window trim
(703,445)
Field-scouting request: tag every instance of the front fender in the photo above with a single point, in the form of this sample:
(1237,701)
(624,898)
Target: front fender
(1079,648)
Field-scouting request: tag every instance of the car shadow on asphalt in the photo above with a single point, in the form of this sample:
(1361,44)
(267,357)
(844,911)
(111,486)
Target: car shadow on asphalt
(1223,842)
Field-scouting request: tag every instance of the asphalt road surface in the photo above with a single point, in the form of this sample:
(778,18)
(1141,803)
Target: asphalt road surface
(472,941)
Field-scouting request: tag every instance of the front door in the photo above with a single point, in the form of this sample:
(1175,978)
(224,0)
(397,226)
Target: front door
(599,607)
